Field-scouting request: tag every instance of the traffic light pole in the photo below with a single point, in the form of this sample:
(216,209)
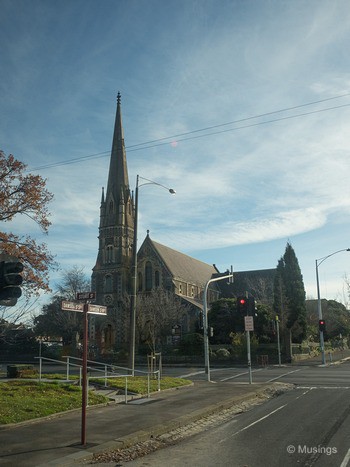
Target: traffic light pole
(205,321)
(249,358)
(319,312)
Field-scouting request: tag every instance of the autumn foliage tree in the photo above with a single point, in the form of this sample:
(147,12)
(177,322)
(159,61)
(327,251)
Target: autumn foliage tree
(22,193)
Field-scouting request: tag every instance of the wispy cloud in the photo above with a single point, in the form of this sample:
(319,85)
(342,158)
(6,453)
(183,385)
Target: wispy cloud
(182,66)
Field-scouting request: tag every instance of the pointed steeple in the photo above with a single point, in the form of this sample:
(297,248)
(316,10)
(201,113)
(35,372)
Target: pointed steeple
(118,180)
(117,209)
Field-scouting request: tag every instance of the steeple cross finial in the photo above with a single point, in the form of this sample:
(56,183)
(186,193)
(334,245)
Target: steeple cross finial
(118,98)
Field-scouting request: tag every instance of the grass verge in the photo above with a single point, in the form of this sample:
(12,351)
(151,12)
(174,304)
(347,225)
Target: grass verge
(25,400)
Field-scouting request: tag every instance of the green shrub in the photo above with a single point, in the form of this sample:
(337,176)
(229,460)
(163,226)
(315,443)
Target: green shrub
(21,371)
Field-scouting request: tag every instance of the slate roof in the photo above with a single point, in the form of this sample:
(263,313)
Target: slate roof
(183,267)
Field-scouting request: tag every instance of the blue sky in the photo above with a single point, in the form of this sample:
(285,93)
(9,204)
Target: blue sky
(243,189)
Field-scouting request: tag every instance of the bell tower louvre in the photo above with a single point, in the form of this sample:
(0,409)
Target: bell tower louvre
(111,276)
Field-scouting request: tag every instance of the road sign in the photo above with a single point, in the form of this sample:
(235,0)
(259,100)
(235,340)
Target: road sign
(97,309)
(92,309)
(86,296)
(72,306)
(248,323)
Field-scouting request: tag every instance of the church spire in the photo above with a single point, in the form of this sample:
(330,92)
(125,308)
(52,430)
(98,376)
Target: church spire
(118,180)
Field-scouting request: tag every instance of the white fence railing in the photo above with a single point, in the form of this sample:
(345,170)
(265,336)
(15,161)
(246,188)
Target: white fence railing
(108,371)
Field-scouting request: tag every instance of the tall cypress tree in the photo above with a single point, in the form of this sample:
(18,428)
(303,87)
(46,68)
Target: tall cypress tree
(295,290)
(289,298)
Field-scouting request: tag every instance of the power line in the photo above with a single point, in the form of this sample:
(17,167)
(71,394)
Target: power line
(243,126)
(165,140)
(241,120)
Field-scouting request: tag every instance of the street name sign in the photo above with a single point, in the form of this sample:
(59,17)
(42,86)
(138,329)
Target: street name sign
(72,306)
(249,323)
(97,309)
(86,296)
(91,309)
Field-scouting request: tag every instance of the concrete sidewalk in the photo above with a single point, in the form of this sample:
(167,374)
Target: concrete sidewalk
(57,440)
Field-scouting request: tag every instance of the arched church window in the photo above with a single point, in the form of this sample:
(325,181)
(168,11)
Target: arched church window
(139,282)
(157,279)
(109,336)
(111,206)
(108,284)
(148,274)
(109,254)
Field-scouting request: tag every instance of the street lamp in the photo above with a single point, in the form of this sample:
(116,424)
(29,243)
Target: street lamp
(205,321)
(319,306)
(134,268)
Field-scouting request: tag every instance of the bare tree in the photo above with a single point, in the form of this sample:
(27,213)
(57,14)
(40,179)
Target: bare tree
(53,322)
(346,294)
(157,312)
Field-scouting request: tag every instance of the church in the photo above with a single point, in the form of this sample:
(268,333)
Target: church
(158,266)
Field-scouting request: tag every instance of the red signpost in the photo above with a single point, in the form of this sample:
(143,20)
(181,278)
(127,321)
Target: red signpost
(92,309)
(84,383)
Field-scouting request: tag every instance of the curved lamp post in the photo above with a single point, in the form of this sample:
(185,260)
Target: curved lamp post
(205,320)
(319,306)
(134,269)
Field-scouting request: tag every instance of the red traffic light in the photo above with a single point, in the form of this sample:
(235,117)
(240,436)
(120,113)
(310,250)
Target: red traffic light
(242,301)
(322,325)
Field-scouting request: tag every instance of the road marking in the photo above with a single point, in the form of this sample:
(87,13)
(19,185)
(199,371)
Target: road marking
(346,459)
(324,387)
(239,374)
(192,374)
(254,423)
(284,374)
(212,370)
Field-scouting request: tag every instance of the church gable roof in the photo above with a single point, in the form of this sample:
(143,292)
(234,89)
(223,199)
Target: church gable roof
(181,266)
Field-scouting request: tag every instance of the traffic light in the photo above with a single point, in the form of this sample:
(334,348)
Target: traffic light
(246,306)
(242,306)
(10,279)
(322,325)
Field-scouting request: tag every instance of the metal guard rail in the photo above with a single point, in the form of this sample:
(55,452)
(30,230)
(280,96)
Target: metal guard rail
(105,366)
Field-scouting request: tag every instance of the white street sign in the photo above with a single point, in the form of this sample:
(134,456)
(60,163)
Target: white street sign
(97,309)
(92,309)
(72,306)
(249,323)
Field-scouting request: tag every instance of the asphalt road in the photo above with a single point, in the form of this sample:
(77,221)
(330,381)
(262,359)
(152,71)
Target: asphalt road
(303,374)
(307,426)
(333,375)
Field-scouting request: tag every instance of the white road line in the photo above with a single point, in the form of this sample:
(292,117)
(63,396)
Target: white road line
(239,374)
(284,374)
(192,374)
(254,423)
(324,387)
(202,371)
(346,459)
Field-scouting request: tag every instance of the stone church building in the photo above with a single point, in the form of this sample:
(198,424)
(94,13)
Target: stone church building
(157,265)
